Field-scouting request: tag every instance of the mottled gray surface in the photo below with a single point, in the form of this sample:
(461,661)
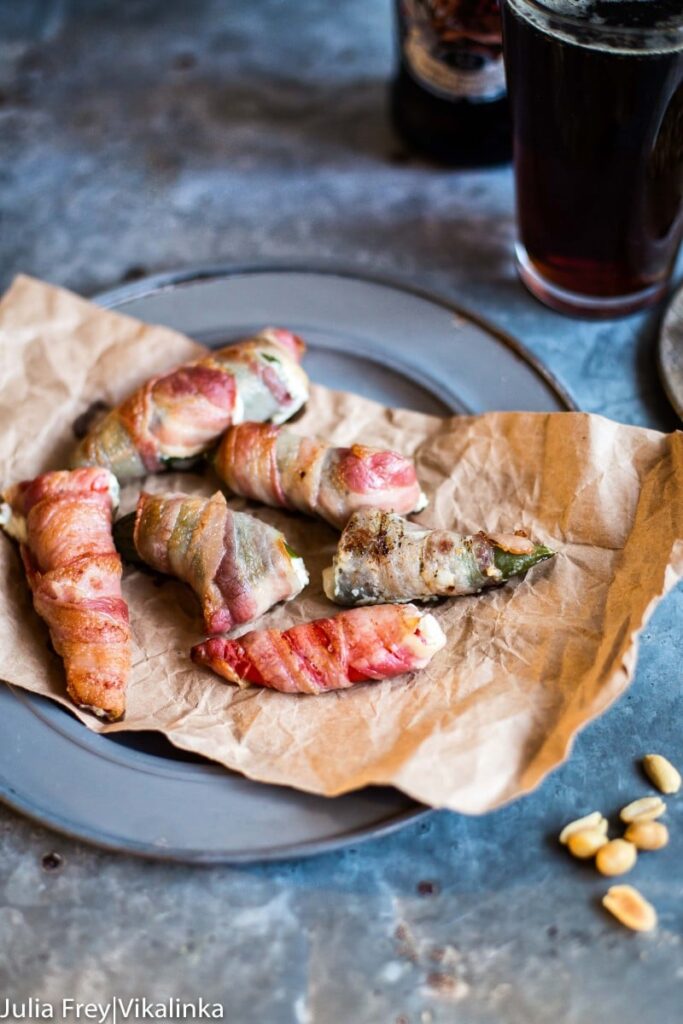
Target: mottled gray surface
(146,135)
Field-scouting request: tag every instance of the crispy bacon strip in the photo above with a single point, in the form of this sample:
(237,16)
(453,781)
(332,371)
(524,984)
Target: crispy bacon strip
(328,654)
(178,415)
(279,467)
(63,521)
(237,566)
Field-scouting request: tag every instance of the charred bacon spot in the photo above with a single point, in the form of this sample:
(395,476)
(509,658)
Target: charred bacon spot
(52,862)
(427,888)
(89,419)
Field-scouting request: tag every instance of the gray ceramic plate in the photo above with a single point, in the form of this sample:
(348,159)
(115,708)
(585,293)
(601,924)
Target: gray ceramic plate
(135,792)
(671,352)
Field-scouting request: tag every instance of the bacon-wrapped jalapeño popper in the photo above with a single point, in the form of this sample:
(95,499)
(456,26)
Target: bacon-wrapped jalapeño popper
(237,566)
(180,414)
(327,654)
(279,467)
(63,523)
(382,557)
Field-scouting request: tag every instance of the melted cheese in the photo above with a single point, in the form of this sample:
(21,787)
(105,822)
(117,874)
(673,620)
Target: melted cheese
(297,387)
(13,524)
(301,571)
(431,639)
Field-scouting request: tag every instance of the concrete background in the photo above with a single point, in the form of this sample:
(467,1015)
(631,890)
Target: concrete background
(143,135)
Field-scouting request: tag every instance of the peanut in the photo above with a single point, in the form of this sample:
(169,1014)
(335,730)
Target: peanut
(662,773)
(616,857)
(645,809)
(586,842)
(630,908)
(590,821)
(647,835)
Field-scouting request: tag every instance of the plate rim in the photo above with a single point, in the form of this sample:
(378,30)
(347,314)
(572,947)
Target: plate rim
(148,285)
(198,857)
(674,299)
(151,284)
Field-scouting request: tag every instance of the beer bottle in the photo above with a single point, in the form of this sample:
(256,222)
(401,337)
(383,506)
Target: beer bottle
(448,98)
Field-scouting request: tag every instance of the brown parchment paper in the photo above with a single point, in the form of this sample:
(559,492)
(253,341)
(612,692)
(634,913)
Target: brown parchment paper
(525,666)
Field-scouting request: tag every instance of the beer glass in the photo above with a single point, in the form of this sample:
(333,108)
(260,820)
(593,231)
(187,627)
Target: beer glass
(596,88)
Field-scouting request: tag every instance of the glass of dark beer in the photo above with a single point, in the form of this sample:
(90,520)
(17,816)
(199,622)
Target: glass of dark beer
(596,88)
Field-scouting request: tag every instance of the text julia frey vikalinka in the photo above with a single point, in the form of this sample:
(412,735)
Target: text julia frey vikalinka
(113,1011)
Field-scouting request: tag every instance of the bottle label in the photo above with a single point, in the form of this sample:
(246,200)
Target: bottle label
(454,48)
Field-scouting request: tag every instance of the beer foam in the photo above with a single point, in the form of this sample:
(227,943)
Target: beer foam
(622,26)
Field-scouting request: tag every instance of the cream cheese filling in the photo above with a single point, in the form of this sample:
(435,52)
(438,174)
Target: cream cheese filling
(431,639)
(301,572)
(114,489)
(422,503)
(13,523)
(297,386)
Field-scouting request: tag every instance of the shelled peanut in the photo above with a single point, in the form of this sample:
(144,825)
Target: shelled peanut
(630,908)
(662,773)
(646,808)
(647,835)
(587,838)
(616,857)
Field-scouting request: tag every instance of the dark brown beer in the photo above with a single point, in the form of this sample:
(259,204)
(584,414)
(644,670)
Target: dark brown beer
(448,98)
(597,104)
